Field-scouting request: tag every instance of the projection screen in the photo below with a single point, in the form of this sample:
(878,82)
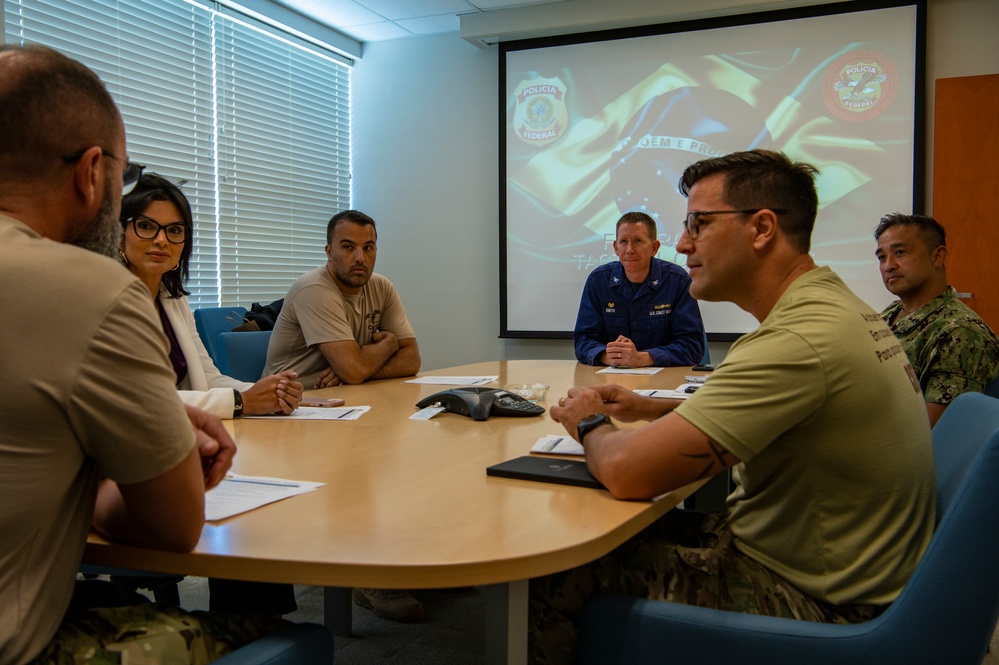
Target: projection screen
(598,124)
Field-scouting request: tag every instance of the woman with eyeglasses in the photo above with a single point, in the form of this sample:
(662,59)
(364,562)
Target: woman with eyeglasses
(157,238)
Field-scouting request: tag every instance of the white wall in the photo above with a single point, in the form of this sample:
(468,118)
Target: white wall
(425,135)
(425,114)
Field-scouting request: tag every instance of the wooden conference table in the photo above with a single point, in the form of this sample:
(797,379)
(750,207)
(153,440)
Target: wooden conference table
(407,504)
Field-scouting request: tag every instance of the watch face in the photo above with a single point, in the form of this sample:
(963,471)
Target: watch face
(590,422)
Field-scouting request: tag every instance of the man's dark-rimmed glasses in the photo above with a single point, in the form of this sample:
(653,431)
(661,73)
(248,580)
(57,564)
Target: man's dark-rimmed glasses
(129,177)
(692,223)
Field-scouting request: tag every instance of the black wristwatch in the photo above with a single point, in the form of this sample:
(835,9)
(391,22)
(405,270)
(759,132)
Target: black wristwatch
(237,404)
(591,423)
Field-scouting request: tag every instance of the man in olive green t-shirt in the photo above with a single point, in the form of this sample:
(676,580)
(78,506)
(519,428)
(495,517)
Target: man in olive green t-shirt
(817,412)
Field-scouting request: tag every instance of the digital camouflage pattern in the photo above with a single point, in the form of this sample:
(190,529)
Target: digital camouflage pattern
(950,348)
(685,557)
(107,626)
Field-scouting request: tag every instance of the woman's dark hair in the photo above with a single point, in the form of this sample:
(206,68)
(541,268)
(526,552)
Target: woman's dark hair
(152,187)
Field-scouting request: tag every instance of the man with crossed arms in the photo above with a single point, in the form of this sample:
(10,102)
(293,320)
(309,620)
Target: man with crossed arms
(344,324)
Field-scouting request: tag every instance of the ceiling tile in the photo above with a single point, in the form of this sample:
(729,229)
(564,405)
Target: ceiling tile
(336,14)
(376,32)
(503,4)
(375,20)
(431,25)
(396,10)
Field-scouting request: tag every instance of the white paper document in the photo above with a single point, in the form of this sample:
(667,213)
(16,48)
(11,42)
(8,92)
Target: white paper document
(557,444)
(630,370)
(427,413)
(237,494)
(454,380)
(321,413)
(679,393)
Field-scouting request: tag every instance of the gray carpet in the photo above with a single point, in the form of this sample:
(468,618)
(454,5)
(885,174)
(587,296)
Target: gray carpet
(451,634)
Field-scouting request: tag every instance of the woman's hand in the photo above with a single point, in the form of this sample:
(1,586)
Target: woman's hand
(277,393)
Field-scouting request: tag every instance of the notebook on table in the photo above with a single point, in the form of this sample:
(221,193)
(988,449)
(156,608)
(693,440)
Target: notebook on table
(546,470)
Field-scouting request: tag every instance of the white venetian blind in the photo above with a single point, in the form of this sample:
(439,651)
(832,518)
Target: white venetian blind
(255,124)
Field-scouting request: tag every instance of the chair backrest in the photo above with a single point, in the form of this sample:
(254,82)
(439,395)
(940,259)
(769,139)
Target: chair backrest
(955,589)
(242,355)
(211,321)
(992,389)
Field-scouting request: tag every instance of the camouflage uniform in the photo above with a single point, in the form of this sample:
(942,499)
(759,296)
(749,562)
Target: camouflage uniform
(951,349)
(685,557)
(106,625)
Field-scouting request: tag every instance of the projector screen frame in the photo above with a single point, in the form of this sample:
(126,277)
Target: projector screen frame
(815,11)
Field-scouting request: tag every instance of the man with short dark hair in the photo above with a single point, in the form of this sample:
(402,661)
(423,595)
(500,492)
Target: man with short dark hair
(93,433)
(637,311)
(951,349)
(834,495)
(344,324)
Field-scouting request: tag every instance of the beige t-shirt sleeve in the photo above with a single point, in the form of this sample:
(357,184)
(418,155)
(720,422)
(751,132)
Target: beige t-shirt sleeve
(123,404)
(321,315)
(394,317)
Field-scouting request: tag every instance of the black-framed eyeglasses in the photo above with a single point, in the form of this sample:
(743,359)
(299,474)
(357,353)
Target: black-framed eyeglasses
(692,223)
(147,229)
(129,176)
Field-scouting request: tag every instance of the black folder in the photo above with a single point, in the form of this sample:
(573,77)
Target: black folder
(546,470)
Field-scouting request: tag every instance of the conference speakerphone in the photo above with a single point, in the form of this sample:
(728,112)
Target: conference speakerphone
(479,403)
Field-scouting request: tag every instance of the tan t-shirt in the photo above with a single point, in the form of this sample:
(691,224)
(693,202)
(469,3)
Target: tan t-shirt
(836,488)
(315,311)
(88,390)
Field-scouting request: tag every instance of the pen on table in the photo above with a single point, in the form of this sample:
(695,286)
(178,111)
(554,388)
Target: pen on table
(251,481)
(346,413)
(550,446)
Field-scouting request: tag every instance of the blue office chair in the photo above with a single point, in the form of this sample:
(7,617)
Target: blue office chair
(299,644)
(242,355)
(211,321)
(992,389)
(946,613)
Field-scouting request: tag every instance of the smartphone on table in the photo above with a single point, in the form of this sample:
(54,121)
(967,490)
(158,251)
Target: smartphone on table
(316,401)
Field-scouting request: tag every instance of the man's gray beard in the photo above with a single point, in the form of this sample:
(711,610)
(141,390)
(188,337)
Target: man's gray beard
(103,234)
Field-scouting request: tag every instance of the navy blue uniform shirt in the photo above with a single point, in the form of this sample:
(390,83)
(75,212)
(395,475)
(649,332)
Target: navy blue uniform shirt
(659,316)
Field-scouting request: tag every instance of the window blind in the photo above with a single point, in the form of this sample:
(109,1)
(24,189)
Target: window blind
(253,124)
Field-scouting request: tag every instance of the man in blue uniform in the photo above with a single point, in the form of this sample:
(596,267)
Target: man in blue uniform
(638,312)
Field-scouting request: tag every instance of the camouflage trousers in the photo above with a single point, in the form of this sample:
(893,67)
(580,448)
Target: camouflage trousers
(684,557)
(105,625)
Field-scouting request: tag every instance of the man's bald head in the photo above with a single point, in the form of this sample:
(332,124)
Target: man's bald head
(50,106)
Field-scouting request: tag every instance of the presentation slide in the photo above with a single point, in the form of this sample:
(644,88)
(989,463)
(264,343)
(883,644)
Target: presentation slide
(597,128)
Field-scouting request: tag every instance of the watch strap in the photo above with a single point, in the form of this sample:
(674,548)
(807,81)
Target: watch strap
(590,423)
(237,404)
